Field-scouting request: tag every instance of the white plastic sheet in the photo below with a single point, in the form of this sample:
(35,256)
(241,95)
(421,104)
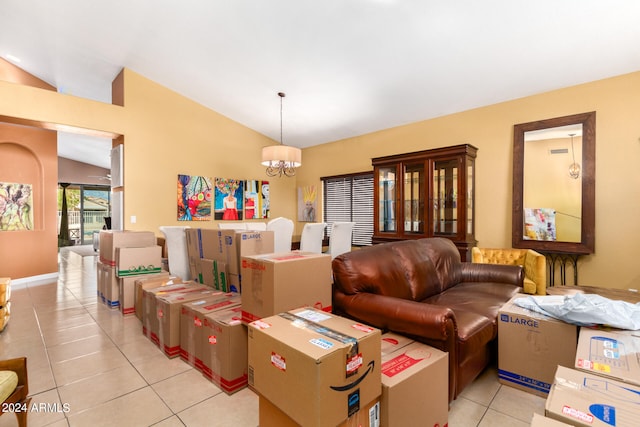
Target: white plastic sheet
(585,310)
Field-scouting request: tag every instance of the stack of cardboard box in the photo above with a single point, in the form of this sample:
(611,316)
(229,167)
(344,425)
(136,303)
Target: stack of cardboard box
(214,255)
(145,262)
(313,368)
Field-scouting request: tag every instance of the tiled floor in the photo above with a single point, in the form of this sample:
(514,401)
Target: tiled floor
(90,366)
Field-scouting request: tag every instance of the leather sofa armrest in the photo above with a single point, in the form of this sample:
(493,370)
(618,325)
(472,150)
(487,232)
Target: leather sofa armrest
(399,315)
(497,273)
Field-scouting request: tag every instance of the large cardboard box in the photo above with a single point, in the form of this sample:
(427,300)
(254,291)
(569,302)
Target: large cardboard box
(101,280)
(316,367)
(137,261)
(405,398)
(269,415)
(614,353)
(192,320)
(580,398)
(126,287)
(149,282)
(235,244)
(213,273)
(150,326)
(531,346)
(194,249)
(274,283)
(112,239)
(168,307)
(224,349)
(108,286)
(542,421)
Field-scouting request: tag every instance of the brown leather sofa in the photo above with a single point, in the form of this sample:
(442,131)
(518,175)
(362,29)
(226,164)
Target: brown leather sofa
(420,288)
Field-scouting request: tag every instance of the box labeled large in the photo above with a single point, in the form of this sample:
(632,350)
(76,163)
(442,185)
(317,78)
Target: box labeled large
(580,398)
(224,349)
(126,287)
(274,283)
(237,244)
(192,321)
(316,367)
(138,261)
(112,239)
(614,354)
(405,398)
(531,346)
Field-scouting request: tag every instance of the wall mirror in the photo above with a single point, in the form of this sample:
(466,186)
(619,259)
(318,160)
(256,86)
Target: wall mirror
(554,184)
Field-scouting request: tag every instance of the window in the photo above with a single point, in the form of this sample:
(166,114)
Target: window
(350,198)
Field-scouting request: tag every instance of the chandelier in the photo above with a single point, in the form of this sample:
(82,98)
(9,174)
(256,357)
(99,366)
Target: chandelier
(574,168)
(281,159)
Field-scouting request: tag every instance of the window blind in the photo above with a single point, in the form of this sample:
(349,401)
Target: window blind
(350,198)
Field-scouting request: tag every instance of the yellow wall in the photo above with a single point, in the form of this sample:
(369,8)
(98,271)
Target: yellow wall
(167,134)
(491,130)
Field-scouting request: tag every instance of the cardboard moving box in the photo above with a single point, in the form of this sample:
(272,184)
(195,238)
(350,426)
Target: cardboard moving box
(274,283)
(405,399)
(137,261)
(615,354)
(531,346)
(269,415)
(112,239)
(126,287)
(580,398)
(224,349)
(149,282)
(192,320)
(316,367)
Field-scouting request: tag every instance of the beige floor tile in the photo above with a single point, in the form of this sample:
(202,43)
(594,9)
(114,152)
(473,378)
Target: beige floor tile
(170,422)
(140,408)
(71,334)
(465,413)
(90,392)
(496,419)
(238,410)
(484,388)
(517,403)
(40,377)
(159,367)
(185,390)
(46,408)
(72,370)
(81,347)
(139,349)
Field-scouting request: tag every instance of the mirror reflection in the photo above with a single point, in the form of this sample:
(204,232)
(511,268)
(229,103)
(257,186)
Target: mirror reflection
(552,184)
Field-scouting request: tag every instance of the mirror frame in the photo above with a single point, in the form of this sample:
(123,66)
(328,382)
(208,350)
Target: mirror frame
(587,231)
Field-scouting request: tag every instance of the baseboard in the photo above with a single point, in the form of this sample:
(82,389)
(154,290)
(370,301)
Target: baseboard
(41,279)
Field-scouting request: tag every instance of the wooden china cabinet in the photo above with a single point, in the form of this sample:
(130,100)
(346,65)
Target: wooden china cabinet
(427,193)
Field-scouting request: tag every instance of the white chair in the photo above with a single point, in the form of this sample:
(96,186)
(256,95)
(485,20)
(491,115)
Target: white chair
(340,238)
(176,241)
(312,236)
(259,226)
(282,233)
(232,226)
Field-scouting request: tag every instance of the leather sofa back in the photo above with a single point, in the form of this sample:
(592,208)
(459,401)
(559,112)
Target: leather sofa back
(410,269)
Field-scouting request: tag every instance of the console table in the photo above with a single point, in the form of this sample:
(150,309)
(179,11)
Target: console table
(561,260)
(613,294)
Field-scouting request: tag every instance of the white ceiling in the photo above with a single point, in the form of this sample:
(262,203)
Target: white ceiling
(348,67)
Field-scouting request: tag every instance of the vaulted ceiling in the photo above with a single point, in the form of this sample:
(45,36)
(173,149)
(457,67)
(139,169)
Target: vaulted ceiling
(348,67)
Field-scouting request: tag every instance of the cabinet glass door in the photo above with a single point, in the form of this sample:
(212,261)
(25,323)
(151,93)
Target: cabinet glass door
(414,194)
(387,199)
(445,197)
(470,197)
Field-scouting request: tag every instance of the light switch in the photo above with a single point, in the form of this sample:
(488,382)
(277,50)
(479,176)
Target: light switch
(133,219)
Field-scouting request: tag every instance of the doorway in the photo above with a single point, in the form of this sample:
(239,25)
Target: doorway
(87,208)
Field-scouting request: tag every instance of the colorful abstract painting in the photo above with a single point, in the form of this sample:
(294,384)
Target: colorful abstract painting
(256,199)
(194,198)
(307,202)
(16,206)
(228,199)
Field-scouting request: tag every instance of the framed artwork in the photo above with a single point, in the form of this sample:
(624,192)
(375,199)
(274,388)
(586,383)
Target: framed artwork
(194,198)
(256,199)
(229,199)
(307,203)
(16,206)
